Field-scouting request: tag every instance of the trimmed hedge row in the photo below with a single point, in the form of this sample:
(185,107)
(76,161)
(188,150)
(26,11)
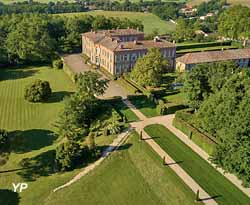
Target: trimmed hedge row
(140,88)
(203,141)
(203,45)
(132,89)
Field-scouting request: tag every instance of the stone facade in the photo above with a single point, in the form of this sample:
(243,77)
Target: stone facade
(118,50)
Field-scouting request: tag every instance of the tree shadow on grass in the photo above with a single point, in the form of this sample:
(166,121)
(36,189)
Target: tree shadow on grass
(13,74)
(40,165)
(9,197)
(58,96)
(29,140)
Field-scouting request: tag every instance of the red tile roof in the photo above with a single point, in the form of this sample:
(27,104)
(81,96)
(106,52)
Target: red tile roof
(214,56)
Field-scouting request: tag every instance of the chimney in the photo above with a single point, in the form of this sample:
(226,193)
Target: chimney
(156,38)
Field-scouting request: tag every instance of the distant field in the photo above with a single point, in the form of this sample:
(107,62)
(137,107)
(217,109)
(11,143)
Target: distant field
(234,2)
(46,1)
(133,175)
(150,21)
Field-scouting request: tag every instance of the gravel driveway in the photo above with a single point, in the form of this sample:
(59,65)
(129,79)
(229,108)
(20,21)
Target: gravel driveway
(77,65)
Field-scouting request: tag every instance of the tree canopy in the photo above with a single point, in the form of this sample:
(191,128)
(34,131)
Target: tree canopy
(148,70)
(39,38)
(225,115)
(205,79)
(235,23)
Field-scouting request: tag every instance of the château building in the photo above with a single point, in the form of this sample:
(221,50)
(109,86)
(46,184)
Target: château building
(118,50)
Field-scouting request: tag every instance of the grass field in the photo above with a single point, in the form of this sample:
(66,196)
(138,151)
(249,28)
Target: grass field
(132,175)
(147,107)
(233,2)
(33,123)
(150,21)
(209,179)
(125,111)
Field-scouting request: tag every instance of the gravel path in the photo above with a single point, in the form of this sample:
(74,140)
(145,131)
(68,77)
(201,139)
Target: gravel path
(115,145)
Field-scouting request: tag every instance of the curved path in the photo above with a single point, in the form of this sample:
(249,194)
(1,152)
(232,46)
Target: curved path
(112,147)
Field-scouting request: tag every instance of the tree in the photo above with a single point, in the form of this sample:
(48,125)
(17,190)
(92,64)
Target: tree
(184,30)
(30,42)
(91,83)
(205,79)
(148,70)
(37,91)
(75,120)
(67,155)
(234,23)
(225,115)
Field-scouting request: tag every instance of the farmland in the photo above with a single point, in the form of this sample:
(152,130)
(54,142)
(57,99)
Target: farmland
(150,21)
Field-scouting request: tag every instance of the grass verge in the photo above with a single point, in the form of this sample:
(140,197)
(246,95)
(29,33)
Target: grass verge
(214,183)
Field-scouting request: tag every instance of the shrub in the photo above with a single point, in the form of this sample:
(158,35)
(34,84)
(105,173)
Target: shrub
(67,155)
(38,91)
(4,140)
(58,64)
(161,108)
(90,141)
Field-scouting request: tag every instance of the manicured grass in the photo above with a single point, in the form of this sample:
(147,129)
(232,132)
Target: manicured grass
(150,21)
(123,108)
(209,179)
(147,107)
(34,126)
(177,98)
(132,175)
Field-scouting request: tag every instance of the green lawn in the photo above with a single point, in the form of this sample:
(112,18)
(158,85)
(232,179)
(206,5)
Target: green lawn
(147,107)
(132,175)
(150,21)
(125,111)
(33,124)
(209,179)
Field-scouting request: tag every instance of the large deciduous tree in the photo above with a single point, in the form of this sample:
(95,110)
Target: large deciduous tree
(30,42)
(91,83)
(234,23)
(148,70)
(225,115)
(205,79)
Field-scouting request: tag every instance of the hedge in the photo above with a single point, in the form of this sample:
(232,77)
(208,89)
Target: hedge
(129,87)
(203,141)
(140,88)
(114,99)
(203,45)
(136,97)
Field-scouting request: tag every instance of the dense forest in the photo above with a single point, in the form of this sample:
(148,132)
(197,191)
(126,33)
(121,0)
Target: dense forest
(39,38)
(37,7)
(220,93)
